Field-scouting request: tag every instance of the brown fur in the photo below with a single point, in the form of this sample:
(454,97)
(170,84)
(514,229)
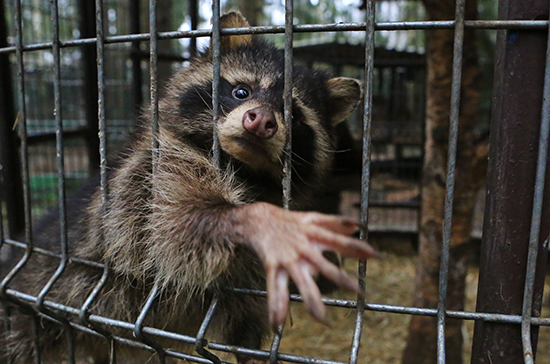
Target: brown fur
(193,228)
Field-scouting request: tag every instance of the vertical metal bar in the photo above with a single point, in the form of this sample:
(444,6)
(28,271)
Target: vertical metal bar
(216,79)
(60,184)
(201,341)
(275,344)
(89,73)
(104,186)
(135,56)
(22,127)
(36,340)
(287,162)
(58,114)
(370,11)
(451,165)
(528,352)
(194,15)
(84,315)
(515,134)
(287,98)
(153,59)
(138,327)
(102,126)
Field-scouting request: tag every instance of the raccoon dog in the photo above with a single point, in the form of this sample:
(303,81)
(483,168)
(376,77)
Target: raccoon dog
(194,228)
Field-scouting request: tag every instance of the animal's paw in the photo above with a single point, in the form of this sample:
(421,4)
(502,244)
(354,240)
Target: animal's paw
(291,244)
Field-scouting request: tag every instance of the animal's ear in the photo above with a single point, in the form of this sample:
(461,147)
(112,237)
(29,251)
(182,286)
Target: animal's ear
(344,95)
(233,19)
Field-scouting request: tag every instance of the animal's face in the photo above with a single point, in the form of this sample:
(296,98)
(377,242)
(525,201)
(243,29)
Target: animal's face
(251,127)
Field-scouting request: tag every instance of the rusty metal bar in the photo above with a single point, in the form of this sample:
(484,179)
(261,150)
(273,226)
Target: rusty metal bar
(370,13)
(102,121)
(63,239)
(441,313)
(287,99)
(140,345)
(287,158)
(90,93)
(534,235)
(201,342)
(84,316)
(450,183)
(352,304)
(135,55)
(194,17)
(515,132)
(138,332)
(104,186)
(138,326)
(305,28)
(153,48)
(216,61)
(58,115)
(20,245)
(294,297)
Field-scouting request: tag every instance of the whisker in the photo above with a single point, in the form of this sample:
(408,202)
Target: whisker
(340,150)
(223,110)
(295,171)
(299,158)
(204,101)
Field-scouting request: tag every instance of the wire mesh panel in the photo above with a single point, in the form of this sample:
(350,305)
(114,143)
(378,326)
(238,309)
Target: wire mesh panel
(74,89)
(51,164)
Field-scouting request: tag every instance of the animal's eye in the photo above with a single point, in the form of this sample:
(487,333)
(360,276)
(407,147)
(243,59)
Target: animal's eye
(241,92)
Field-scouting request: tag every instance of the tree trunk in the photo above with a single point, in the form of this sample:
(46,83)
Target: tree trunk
(470,174)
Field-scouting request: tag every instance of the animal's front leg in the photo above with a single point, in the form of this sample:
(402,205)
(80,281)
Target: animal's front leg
(290,244)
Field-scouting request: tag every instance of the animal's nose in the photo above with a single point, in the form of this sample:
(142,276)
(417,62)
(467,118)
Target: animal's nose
(261,122)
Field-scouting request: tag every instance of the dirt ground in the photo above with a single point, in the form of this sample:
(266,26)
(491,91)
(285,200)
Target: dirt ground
(391,281)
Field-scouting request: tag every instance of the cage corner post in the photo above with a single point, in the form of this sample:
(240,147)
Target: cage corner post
(515,129)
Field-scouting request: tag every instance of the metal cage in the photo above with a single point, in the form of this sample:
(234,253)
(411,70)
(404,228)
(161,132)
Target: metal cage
(145,337)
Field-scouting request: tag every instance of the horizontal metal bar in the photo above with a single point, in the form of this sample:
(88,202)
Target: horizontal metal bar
(49,253)
(167,334)
(463,315)
(221,347)
(262,353)
(136,344)
(412,205)
(306,28)
(328,301)
(40,137)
